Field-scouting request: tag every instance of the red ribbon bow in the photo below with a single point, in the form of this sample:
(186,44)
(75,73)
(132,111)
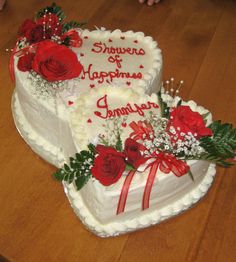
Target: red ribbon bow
(141,129)
(166,163)
(21,52)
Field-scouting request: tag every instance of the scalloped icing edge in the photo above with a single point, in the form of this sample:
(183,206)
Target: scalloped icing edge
(145,219)
(156,68)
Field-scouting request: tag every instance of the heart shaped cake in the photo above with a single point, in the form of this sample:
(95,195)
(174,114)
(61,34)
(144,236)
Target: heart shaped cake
(90,102)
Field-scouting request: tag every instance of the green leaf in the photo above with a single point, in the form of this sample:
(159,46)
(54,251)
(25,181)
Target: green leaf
(66,41)
(165,110)
(129,167)
(222,144)
(70,25)
(66,167)
(91,148)
(80,181)
(179,103)
(78,169)
(191,175)
(78,157)
(204,116)
(59,175)
(54,9)
(118,145)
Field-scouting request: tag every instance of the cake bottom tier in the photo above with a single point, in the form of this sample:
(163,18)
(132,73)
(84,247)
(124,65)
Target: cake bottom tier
(113,224)
(142,219)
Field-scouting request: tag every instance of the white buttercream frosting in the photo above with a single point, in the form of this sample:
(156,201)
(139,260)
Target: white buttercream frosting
(103,201)
(48,115)
(43,123)
(142,219)
(126,222)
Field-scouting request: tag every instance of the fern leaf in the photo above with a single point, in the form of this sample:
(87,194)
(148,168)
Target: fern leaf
(223,142)
(70,25)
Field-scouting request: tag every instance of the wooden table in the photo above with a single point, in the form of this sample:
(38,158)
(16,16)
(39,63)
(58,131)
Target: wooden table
(198,40)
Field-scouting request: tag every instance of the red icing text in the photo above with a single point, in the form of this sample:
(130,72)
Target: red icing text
(99,47)
(121,111)
(110,75)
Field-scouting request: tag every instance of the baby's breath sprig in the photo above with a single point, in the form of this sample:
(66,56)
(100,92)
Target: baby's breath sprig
(43,88)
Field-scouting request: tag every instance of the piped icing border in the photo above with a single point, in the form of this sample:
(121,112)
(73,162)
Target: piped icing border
(145,219)
(156,67)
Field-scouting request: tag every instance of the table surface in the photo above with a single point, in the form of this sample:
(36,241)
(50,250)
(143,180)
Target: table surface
(198,41)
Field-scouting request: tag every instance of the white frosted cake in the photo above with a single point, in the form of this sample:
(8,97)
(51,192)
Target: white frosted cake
(100,116)
(138,69)
(88,102)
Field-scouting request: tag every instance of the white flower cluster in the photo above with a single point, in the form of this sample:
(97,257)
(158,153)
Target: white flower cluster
(43,88)
(56,39)
(185,146)
(113,129)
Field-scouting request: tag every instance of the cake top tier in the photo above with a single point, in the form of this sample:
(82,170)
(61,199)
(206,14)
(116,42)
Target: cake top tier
(106,114)
(54,56)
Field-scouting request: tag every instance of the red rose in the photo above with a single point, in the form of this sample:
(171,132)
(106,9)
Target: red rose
(55,62)
(35,34)
(25,62)
(133,153)
(184,120)
(108,166)
(27,25)
(73,38)
(51,24)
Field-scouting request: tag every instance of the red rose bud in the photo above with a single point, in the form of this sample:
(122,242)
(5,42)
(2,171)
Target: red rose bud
(27,25)
(184,120)
(35,34)
(51,24)
(56,62)
(133,153)
(25,62)
(108,166)
(74,38)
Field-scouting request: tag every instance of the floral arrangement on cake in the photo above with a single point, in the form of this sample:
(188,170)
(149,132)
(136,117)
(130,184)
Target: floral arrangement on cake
(165,142)
(44,47)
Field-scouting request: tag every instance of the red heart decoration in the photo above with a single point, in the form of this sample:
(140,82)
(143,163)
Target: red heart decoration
(70,103)
(97,113)
(135,41)
(92,85)
(81,54)
(141,66)
(124,124)
(89,121)
(128,83)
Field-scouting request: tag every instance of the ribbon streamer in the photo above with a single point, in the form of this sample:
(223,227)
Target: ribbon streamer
(166,163)
(124,192)
(20,52)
